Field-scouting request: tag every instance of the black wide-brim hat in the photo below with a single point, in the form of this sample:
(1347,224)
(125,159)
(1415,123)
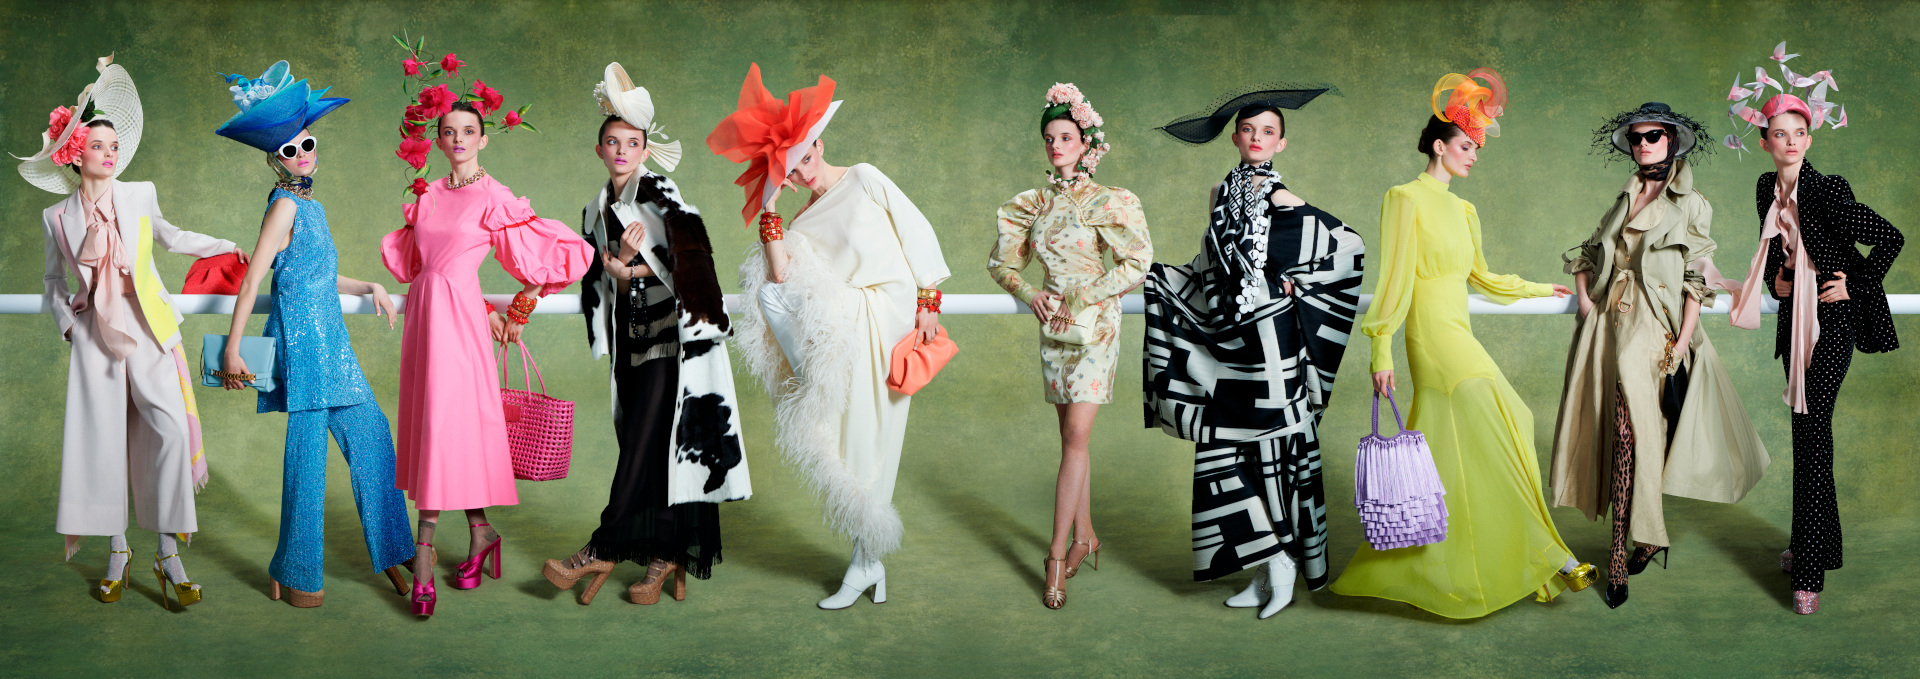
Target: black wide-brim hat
(1687,132)
(1202,126)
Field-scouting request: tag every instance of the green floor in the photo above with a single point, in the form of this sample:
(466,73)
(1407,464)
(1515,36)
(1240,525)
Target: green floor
(964,587)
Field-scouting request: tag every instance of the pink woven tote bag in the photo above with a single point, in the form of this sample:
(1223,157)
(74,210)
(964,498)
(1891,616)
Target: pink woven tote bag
(539,427)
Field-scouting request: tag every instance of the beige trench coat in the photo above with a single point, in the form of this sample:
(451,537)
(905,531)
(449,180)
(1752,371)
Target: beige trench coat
(1715,454)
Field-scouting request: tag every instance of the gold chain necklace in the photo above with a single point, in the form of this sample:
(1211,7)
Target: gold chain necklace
(476,177)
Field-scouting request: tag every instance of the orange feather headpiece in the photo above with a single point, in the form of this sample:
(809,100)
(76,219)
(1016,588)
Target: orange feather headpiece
(771,135)
(1459,100)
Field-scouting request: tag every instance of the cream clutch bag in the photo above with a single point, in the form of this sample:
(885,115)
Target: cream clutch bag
(1080,332)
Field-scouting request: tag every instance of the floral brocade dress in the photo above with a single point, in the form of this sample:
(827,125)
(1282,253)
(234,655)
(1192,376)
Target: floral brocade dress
(1071,232)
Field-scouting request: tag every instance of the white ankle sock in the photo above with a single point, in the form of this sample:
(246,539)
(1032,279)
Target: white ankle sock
(169,546)
(1572,563)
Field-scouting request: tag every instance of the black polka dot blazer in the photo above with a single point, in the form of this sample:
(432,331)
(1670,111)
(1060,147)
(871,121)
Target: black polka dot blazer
(1831,221)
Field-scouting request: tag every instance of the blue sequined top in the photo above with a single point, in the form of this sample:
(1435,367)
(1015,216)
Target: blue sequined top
(315,364)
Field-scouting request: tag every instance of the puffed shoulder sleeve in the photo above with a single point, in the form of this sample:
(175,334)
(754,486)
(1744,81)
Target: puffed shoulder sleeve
(1122,224)
(533,249)
(397,249)
(1012,250)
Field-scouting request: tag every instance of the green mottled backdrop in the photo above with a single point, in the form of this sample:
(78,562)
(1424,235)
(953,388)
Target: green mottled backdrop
(943,97)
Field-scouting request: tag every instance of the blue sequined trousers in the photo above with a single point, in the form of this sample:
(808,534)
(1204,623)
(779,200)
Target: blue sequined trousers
(323,391)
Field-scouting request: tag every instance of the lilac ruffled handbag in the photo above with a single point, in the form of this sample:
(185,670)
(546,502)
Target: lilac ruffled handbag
(1396,487)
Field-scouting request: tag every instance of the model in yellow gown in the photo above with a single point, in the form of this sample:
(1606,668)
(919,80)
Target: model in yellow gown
(1501,544)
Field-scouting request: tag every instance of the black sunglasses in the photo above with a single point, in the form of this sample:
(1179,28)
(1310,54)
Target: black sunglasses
(1633,138)
(292,150)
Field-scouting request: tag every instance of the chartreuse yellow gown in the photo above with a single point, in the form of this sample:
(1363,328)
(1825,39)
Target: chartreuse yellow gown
(1501,544)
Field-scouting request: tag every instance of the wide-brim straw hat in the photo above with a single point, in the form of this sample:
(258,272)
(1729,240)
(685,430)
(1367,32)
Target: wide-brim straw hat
(115,98)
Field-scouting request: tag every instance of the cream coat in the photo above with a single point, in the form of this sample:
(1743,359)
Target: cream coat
(65,226)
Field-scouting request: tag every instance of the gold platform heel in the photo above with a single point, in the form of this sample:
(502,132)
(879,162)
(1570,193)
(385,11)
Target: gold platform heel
(109,590)
(187,592)
(1581,577)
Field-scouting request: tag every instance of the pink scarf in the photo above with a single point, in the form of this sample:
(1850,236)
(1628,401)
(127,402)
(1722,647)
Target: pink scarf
(1783,219)
(112,280)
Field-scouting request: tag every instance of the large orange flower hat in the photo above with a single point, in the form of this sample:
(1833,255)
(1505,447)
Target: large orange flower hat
(771,135)
(1472,105)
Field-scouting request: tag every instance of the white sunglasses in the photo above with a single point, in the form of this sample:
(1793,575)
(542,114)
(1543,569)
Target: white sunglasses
(292,150)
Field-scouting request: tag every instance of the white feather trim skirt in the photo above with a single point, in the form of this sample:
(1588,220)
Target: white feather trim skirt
(836,421)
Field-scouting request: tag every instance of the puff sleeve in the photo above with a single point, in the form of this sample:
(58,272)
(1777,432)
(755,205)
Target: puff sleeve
(398,250)
(1013,248)
(1122,225)
(535,250)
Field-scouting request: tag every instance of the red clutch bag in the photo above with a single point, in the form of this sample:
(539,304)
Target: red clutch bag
(219,275)
(914,363)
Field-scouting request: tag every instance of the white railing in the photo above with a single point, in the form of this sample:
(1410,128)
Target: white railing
(953,304)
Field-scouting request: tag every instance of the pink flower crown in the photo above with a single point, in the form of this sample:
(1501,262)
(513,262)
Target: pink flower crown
(433,101)
(1067,97)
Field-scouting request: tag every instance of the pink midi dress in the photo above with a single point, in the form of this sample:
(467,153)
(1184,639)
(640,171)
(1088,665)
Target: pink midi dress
(452,441)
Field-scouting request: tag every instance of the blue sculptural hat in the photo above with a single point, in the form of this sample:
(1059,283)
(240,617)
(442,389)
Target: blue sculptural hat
(274,108)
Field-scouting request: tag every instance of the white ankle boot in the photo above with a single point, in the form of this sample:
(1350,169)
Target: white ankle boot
(1249,597)
(1280,573)
(861,574)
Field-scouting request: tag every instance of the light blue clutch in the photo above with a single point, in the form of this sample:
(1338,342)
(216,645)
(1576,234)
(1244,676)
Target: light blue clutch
(258,352)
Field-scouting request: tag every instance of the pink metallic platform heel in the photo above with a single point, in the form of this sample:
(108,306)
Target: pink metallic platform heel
(467,576)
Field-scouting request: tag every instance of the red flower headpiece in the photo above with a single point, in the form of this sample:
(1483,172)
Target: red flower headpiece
(762,131)
(430,101)
(57,122)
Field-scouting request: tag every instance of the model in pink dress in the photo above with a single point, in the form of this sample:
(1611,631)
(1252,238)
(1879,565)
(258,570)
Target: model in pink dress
(452,439)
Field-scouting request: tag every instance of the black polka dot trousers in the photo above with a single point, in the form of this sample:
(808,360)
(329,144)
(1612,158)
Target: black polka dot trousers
(1816,510)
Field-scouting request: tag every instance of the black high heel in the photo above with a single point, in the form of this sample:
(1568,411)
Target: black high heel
(1643,556)
(1614,595)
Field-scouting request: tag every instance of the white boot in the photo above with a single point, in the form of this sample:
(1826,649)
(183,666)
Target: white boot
(861,574)
(1249,597)
(1280,580)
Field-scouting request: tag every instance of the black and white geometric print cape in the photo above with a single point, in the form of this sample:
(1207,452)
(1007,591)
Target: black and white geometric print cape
(709,457)
(1212,377)
(1248,382)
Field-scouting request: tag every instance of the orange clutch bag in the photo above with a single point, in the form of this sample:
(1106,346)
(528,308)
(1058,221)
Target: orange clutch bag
(914,363)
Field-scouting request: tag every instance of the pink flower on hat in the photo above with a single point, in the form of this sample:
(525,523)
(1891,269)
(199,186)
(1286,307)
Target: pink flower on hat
(1063,93)
(436,101)
(451,64)
(512,120)
(419,186)
(490,98)
(411,67)
(57,121)
(414,151)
